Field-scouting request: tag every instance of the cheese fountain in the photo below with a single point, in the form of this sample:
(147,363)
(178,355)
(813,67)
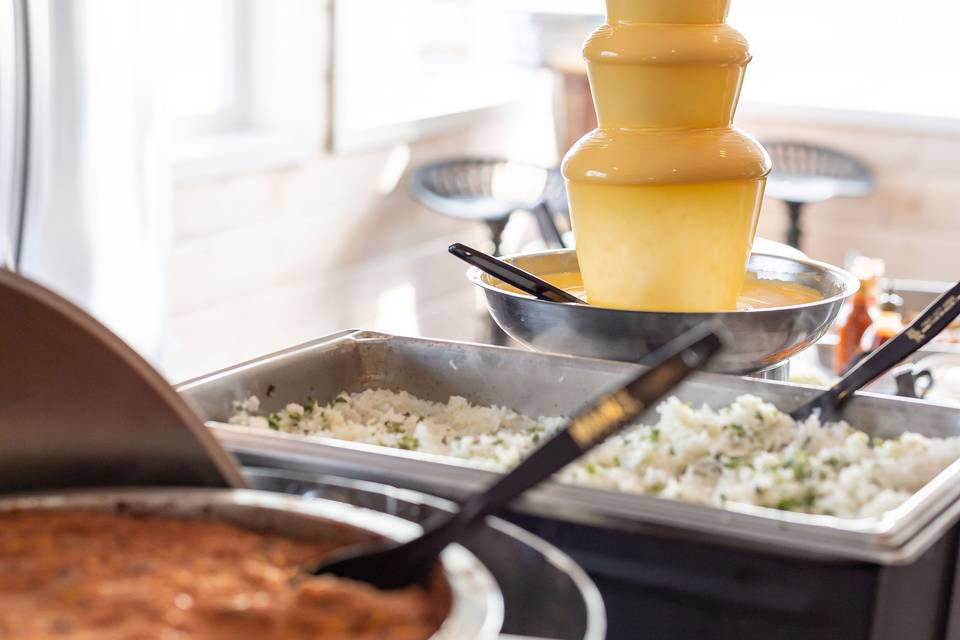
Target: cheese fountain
(665,196)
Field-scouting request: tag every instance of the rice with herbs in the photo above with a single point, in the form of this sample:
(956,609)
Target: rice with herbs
(749,452)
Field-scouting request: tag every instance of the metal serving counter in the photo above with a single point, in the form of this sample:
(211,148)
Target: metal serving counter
(678,569)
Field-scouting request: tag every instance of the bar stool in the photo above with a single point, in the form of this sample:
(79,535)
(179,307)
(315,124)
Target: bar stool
(555,207)
(488,190)
(806,174)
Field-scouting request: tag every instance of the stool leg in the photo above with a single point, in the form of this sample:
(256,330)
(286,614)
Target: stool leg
(495,334)
(496,232)
(548,227)
(794,209)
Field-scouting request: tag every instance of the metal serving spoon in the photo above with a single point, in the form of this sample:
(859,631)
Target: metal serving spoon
(515,276)
(396,565)
(925,328)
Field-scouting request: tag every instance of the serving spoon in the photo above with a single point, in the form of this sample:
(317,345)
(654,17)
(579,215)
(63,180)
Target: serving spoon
(396,565)
(512,275)
(934,319)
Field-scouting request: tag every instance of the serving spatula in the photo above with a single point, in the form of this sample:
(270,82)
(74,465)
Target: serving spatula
(396,565)
(512,275)
(934,319)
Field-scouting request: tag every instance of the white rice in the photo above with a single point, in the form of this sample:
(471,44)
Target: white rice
(749,452)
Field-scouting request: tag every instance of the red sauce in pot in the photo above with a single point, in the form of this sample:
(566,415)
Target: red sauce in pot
(75,575)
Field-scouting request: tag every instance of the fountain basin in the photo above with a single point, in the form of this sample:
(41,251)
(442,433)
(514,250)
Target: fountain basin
(762,339)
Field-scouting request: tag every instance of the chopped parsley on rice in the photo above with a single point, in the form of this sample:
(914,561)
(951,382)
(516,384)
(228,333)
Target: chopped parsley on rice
(748,452)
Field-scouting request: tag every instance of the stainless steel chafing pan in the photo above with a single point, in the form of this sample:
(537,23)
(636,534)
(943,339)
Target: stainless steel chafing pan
(539,384)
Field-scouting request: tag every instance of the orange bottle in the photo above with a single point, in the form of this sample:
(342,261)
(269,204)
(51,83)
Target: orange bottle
(851,330)
(859,316)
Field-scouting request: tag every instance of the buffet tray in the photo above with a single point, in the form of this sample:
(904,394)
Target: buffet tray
(545,385)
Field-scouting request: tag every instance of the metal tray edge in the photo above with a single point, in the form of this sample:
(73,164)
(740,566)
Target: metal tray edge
(885,537)
(432,474)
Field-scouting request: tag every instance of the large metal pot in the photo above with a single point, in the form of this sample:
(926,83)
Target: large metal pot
(546,595)
(476,611)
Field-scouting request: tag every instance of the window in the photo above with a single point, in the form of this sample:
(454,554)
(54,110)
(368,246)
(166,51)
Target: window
(205,67)
(882,57)
(402,67)
(244,81)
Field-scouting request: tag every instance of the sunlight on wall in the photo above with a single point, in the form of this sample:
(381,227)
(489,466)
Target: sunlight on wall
(397,310)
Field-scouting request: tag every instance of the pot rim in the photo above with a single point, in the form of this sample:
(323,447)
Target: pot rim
(477,606)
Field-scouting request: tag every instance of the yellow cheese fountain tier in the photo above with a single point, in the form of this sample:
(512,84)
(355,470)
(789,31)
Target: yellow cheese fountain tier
(665,194)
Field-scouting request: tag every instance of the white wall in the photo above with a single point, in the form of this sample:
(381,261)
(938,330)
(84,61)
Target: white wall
(913,218)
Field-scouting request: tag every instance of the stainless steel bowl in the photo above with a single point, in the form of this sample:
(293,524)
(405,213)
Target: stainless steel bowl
(761,338)
(477,603)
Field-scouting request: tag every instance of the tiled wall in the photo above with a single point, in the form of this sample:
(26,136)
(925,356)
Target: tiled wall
(913,218)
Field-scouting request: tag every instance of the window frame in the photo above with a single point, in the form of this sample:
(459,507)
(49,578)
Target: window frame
(280,53)
(920,124)
(232,115)
(418,118)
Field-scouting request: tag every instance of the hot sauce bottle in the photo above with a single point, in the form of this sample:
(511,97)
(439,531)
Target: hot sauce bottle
(859,315)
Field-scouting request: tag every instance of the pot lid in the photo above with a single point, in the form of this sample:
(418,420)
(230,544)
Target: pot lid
(80,408)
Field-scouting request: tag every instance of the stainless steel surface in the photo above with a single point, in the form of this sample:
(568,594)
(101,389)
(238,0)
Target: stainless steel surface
(546,594)
(779,372)
(885,384)
(917,294)
(78,407)
(545,385)
(589,426)
(761,338)
(477,607)
(912,380)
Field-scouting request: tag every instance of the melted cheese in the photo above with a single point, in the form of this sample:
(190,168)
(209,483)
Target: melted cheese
(665,193)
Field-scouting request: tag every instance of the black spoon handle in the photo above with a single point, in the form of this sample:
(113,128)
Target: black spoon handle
(523,280)
(925,328)
(605,417)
